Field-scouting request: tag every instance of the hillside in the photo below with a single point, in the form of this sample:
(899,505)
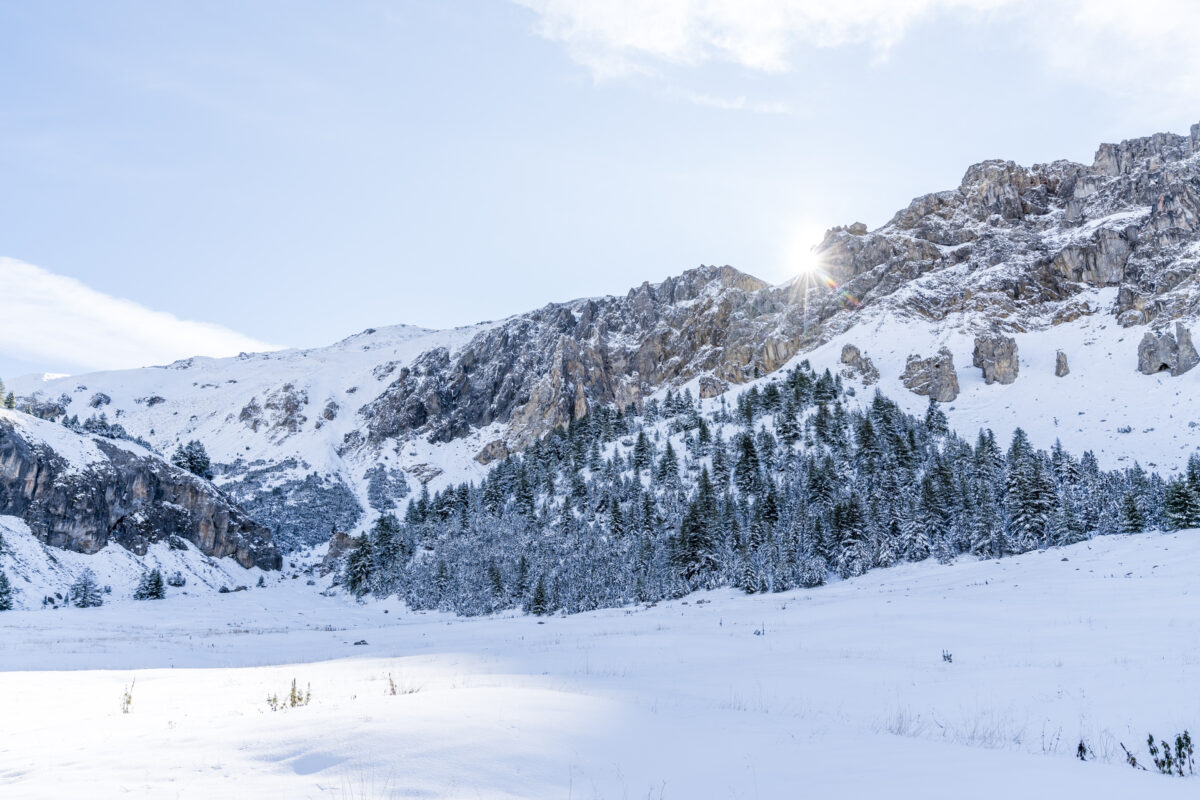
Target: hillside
(66,495)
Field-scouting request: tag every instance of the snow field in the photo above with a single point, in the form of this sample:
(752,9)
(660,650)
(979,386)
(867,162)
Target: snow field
(843,688)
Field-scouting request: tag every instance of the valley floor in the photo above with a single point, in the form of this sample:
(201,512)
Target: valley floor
(839,691)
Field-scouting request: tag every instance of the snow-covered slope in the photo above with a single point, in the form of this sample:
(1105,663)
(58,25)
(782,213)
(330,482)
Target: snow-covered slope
(81,492)
(1103,404)
(271,420)
(839,691)
(40,575)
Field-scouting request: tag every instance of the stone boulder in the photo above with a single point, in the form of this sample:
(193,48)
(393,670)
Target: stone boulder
(1163,352)
(932,377)
(858,364)
(996,355)
(492,451)
(1060,364)
(340,543)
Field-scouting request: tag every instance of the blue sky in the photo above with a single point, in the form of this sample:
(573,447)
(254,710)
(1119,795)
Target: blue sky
(288,173)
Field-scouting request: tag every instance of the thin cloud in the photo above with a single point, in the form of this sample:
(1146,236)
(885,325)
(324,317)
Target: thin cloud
(616,38)
(59,321)
(1149,55)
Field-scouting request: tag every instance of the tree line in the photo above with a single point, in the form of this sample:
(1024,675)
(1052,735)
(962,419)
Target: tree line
(792,486)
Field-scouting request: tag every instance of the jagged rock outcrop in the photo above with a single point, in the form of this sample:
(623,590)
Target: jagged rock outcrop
(1011,239)
(541,370)
(932,377)
(858,364)
(119,496)
(996,355)
(1187,355)
(1164,351)
(1060,364)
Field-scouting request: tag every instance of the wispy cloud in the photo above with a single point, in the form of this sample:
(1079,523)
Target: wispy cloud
(1100,44)
(615,38)
(59,321)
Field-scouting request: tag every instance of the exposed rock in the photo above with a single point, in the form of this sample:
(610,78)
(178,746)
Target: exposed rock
(1157,352)
(1010,238)
(1163,351)
(859,365)
(340,543)
(424,472)
(712,387)
(492,451)
(1187,357)
(542,370)
(284,405)
(996,355)
(121,497)
(1060,364)
(932,377)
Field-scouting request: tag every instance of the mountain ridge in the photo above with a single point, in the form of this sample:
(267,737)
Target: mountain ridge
(1054,250)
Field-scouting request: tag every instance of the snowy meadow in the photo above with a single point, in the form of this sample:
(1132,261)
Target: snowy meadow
(977,679)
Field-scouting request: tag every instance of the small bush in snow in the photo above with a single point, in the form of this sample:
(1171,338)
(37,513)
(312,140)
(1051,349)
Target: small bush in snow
(127,698)
(1180,760)
(293,699)
(177,580)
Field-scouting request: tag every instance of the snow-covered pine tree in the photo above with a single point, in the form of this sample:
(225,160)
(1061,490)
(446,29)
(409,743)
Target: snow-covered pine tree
(85,591)
(6,591)
(194,458)
(357,576)
(151,586)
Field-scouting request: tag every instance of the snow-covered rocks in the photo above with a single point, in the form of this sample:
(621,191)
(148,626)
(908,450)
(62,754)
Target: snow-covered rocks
(80,493)
(859,365)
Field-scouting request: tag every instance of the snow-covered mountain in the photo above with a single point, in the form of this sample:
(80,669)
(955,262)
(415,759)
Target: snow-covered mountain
(1055,271)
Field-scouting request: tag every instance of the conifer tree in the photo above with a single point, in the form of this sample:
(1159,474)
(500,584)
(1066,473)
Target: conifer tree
(357,575)
(6,591)
(194,458)
(1132,519)
(151,586)
(85,592)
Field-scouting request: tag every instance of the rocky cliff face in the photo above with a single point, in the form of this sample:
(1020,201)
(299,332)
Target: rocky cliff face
(1015,244)
(541,370)
(81,494)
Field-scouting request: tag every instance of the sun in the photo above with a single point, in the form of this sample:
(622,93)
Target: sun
(802,259)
